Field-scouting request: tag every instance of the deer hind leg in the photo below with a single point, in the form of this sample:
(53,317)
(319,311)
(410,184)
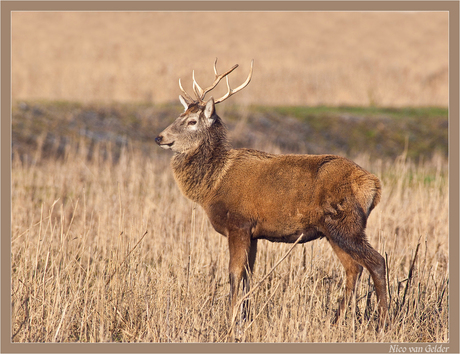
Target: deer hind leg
(242,257)
(361,252)
(353,272)
(375,264)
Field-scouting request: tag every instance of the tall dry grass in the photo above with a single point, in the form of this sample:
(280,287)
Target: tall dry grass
(104,252)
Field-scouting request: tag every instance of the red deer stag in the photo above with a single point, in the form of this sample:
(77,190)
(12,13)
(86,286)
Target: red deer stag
(250,195)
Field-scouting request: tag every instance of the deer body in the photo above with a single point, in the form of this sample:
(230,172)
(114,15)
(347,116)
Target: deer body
(250,195)
(281,197)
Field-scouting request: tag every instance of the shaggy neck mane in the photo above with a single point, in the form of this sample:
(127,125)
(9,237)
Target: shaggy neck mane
(197,171)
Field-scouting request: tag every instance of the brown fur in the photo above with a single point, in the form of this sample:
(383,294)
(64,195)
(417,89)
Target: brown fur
(250,195)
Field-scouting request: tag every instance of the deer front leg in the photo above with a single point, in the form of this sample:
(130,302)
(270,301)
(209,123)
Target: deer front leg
(246,277)
(242,256)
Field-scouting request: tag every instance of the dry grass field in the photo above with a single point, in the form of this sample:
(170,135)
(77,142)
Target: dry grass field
(111,251)
(389,59)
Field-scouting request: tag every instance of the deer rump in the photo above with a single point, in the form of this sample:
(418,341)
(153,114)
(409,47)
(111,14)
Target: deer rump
(280,197)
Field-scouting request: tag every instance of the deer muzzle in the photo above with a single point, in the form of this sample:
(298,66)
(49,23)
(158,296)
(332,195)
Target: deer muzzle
(162,143)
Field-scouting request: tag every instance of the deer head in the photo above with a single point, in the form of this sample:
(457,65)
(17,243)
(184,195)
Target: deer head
(198,120)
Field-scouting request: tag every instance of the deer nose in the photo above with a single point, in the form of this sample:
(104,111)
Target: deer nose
(158,139)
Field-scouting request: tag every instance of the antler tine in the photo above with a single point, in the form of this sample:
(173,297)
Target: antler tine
(215,66)
(187,96)
(239,88)
(198,90)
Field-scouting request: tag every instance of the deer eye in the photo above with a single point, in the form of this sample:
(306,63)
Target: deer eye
(192,122)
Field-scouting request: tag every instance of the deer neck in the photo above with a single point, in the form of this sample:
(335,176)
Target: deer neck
(199,171)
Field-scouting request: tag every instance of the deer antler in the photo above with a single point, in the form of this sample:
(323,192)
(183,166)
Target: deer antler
(200,93)
(239,88)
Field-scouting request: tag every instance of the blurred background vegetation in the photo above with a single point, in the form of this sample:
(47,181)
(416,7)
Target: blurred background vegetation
(324,82)
(56,127)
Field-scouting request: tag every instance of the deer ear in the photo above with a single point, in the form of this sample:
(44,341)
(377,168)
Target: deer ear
(183,101)
(209,109)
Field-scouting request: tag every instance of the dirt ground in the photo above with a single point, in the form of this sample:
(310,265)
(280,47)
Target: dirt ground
(390,59)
